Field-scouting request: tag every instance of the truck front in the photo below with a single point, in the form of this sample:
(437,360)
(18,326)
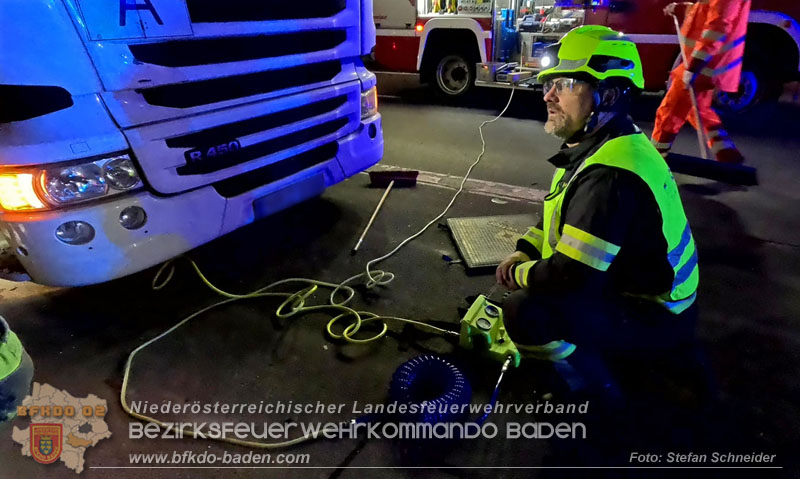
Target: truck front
(134,131)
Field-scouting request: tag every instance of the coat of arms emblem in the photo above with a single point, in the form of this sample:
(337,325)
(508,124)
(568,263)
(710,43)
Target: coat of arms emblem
(46,442)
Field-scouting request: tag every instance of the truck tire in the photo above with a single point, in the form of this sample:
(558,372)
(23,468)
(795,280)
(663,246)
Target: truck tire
(755,86)
(453,75)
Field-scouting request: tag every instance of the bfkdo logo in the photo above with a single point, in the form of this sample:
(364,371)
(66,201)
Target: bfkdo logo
(46,442)
(60,426)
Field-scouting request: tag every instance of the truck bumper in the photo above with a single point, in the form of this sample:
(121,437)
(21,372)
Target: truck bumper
(175,224)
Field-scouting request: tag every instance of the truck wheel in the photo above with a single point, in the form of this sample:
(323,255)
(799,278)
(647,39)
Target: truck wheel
(454,75)
(754,87)
(757,84)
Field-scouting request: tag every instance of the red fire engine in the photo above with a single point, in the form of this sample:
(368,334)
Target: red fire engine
(443,40)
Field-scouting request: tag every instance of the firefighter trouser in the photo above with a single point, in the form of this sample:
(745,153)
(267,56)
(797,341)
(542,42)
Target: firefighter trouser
(676,109)
(601,328)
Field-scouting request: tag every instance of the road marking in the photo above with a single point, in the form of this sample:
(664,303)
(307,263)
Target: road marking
(478,187)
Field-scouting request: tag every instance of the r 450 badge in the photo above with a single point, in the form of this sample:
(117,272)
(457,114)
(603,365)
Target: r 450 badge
(201,154)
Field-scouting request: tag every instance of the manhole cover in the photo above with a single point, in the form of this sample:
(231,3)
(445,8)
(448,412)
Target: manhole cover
(484,241)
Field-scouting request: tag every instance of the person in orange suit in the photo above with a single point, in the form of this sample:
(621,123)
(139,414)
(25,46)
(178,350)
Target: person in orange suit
(714,34)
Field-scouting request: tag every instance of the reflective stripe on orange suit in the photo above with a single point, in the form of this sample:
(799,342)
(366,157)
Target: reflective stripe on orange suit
(715,37)
(676,109)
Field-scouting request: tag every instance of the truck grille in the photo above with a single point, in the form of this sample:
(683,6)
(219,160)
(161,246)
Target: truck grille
(186,95)
(232,87)
(220,54)
(185,53)
(276,171)
(213,11)
(241,129)
(213,136)
(265,148)
(187,152)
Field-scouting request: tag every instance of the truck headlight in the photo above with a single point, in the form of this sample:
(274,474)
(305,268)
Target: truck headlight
(69,184)
(120,173)
(38,188)
(369,103)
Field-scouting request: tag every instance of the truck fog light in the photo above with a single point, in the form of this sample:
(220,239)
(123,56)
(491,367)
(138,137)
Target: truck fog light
(75,232)
(132,217)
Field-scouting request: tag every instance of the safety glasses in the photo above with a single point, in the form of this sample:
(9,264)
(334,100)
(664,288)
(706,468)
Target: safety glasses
(561,84)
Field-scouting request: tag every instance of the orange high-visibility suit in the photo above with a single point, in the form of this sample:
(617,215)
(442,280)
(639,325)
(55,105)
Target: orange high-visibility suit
(714,33)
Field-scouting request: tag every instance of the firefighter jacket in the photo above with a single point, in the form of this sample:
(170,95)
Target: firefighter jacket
(10,352)
(714,34)
(613,224)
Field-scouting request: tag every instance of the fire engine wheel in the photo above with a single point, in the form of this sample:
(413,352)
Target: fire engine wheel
(454,75)
(754,87)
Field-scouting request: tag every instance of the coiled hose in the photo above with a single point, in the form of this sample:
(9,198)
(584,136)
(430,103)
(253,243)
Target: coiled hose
(435,383)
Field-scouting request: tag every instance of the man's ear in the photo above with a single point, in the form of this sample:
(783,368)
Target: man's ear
(608,97)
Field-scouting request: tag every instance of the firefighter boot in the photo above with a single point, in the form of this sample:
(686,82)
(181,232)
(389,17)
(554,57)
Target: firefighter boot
(723,148)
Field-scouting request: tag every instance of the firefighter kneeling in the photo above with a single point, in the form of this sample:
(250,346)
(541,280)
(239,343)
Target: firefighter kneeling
(612,267)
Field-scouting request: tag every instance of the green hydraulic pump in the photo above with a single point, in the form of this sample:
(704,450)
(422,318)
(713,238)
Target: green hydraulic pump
(483,330)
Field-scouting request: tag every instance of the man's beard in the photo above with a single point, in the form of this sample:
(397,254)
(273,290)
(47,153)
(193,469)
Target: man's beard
(560,125)
(557,126)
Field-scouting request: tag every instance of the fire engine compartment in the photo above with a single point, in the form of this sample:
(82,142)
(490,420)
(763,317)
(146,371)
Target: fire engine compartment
(521,32)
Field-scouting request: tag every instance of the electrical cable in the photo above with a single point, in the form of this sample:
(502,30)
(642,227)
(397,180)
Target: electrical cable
(379,280)
(295,304)
(496,391)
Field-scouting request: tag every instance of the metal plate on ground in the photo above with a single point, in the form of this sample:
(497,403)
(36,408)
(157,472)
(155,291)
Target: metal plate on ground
(484,241)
